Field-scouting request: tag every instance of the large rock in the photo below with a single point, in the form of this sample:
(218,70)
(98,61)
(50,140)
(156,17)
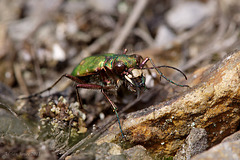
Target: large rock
(213,104)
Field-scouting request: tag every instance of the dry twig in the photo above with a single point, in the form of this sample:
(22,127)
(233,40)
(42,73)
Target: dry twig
(20,79)
(131,21)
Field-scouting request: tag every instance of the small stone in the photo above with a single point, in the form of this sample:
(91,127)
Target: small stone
(196,143)
(137,152)
(223,151)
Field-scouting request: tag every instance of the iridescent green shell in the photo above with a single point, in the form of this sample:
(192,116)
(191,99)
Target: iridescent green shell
(91,65)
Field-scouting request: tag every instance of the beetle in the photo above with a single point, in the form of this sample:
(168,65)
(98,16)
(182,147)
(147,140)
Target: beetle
(108,72)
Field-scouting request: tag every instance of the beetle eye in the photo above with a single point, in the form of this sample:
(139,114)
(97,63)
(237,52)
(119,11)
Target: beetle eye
(119,67)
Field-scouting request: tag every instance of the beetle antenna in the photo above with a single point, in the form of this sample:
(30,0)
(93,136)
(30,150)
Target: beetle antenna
(162,75)
(168,67)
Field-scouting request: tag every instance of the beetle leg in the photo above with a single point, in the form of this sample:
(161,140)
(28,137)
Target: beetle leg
(94,86)
(125,51)
(90,86)
(104,73)
(49,88)
(144,62)
(79,98)
(115,110)
(110,74)
(114,107)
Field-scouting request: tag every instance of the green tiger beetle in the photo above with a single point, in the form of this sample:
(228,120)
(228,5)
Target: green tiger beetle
(108,72)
